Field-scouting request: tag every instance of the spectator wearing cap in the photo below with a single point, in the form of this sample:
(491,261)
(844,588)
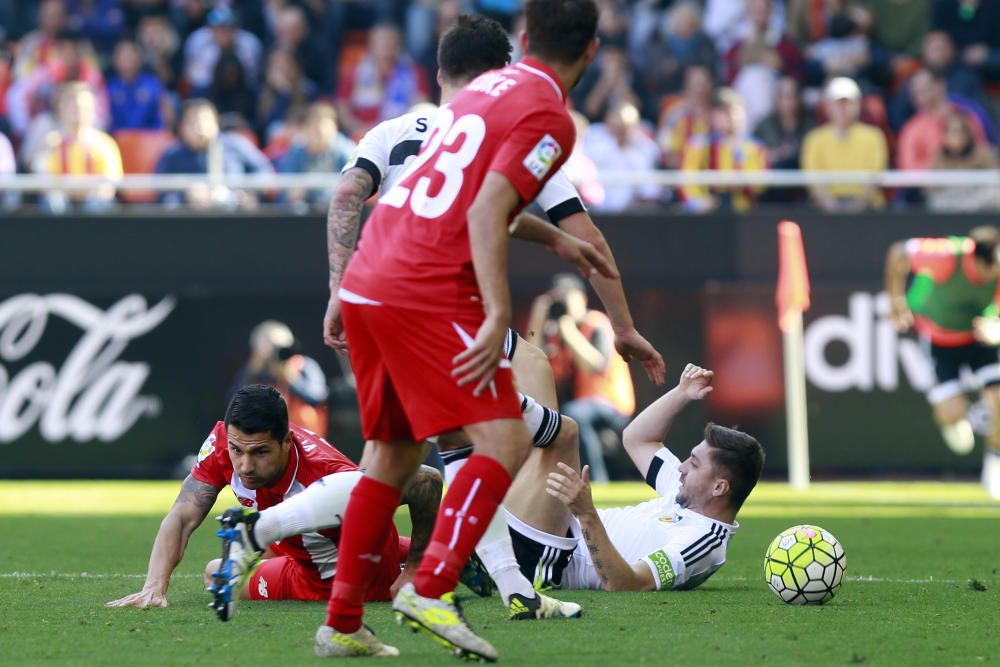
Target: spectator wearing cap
(203,149)
(845,144)
(728,147)
(134,95)
(205,46)
(384,84)
(922,135)
(78,148)
(620,143)
(690,117)
(322,149)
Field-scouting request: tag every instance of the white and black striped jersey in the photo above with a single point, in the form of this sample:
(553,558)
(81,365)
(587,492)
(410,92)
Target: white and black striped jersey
(682,548)
(387,147)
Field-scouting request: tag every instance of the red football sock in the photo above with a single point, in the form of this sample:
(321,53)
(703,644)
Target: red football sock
(363,533)
(465,513)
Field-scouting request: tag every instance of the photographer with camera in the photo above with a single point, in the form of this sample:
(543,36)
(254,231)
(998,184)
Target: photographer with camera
(593,382)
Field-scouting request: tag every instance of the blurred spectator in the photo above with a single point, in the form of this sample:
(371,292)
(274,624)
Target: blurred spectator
(922,135)
(691,116)
(726,21)
(78,148)
(205,46)
(617,144)
(845,144)
(135,96)
(161,48)
(783,132)
(101,21)
(760,55)
(974,26)
(8,165)
(276,360)
(594,383)
(423,34)
(677,44)
(502,11)
(229,91)
(68,58)
(137,10)
(580,169)
(292,35)
(607,82)
(285,91)
(727,147)
(960,150)
(384,84)
(900,25)
(322,149)
(845,49)
(35,48)
(202,149)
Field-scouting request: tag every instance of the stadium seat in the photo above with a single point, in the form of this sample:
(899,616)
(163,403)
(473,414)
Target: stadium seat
(141,150)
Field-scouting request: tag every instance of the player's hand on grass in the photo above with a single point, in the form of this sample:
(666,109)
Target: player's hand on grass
(572,489)
(587,259)
(405,577)
(696,382)
(630,344)
(333,328)
(144,598)
(480,361)
(987,330)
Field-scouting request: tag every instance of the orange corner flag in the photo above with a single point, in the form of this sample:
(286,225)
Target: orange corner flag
(793,279)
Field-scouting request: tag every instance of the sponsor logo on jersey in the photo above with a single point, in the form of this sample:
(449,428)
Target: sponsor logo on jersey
(246,502)
(207,448)
(664,570)
(541,158)
(90,395)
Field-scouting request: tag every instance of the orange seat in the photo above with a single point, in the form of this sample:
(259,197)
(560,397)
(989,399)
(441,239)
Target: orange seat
(141,150)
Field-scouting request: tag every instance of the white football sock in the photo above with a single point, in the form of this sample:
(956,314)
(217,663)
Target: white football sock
(321,505)
(959,436)
(495,548)
(991,473)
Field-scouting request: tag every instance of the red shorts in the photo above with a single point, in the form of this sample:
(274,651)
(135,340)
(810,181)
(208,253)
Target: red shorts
(402,360)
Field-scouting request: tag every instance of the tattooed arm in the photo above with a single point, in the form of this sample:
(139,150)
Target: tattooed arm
(343,221)
(422,496)
(190,508)
(615,572)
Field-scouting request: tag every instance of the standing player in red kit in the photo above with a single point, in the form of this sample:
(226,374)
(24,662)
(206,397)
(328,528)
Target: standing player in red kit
(425,307)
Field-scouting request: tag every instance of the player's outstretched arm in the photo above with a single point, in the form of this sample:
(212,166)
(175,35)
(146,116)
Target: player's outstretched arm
(615,573)
(587,259)
(423,497)
(343,222)
(645,435)
(487,221)
(629,342)
(190,508)
(897,266)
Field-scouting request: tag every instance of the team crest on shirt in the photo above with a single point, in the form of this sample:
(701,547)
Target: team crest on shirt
(246,502)
(543,156)
(207,448)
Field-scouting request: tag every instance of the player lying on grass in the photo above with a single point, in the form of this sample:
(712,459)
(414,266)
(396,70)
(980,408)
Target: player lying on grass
(320,505)
(675,541)
(266,460)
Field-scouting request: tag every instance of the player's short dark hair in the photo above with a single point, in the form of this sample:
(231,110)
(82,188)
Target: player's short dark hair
(737,457)
(987,241)
(560,30)
(257,408)
(475,44)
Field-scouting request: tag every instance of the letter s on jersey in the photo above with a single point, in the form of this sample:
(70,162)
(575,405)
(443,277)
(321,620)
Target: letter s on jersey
(541,158)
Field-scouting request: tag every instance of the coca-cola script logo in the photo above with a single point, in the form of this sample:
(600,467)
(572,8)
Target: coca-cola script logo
(94,394)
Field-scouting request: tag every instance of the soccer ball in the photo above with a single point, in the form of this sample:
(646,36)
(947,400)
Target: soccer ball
(805,565)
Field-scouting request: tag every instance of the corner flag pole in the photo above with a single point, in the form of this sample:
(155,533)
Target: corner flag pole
(792,298)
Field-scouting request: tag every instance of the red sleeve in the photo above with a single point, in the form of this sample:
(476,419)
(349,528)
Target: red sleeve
(535,149)
(213,466)
(933,257)
(791,57)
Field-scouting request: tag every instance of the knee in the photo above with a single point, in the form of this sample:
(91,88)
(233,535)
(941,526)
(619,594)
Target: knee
(568,439)
(210,569)
(950,411)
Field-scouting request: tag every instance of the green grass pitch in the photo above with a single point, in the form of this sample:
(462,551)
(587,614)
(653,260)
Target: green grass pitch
(918,555)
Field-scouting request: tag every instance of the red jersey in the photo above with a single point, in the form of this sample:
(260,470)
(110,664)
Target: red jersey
(414,251)
(311,458)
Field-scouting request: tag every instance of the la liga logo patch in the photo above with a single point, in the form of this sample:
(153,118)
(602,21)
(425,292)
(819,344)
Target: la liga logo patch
(541,158)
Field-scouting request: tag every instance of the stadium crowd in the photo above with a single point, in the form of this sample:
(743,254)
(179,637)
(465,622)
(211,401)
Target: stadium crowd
(196,86)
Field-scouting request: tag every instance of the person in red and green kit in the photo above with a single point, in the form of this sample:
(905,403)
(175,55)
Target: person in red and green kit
(952,302)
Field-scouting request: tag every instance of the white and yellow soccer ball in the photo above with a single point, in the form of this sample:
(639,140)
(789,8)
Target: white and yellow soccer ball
(805,565)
